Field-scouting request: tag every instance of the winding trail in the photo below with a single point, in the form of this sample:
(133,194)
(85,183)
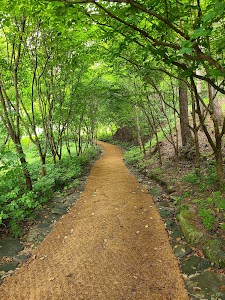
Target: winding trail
(112,245)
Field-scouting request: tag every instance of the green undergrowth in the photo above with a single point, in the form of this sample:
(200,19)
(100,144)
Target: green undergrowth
(134,156)
(204,181)
(17,204)
(212,211)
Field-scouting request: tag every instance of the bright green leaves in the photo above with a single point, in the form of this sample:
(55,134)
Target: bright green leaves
(3,216)
(186,47)
(214,11)
(201,32)
(216,73)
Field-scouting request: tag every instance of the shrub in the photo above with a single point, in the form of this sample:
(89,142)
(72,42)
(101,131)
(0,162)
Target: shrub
(209,210)
(17,204)
(133,155)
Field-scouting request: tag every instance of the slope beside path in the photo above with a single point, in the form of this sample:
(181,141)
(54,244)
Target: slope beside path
(112,245)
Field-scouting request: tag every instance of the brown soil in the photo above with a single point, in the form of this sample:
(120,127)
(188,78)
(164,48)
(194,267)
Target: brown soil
(112,245)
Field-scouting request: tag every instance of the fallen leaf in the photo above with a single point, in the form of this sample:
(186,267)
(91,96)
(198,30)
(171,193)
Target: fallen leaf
(197,289)
(43,257)
(51,279)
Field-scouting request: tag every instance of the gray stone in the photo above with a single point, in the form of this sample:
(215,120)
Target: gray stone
(8,266)
(10,247)
(58,199)
(181,250)
(62,206)
(194,264)
(175,229)
(166,212)
(33,235)
(58,211)
(155,191)
(71,200)
(45,224)
(207,285)
(22,257)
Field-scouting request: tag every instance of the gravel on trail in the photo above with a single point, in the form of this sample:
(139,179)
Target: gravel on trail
(111,245)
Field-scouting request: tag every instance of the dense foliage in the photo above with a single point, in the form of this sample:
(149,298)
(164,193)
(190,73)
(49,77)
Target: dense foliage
(71,70)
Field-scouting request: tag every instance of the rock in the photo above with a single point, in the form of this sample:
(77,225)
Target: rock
(207,285)
(72,199)
(58,211)
(8,266)
(33,235)
(58,199)
(175,229)
(155,191)
(46,224)
(10,247)
(194,264)
(191,234)
(170,189)
(166,212)
(62,206)
(181,250)
(214,250)
(22,257)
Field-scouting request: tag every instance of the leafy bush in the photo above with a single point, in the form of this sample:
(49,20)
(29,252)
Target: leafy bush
(17,204)
(204,181)
(133,155)
(210,208)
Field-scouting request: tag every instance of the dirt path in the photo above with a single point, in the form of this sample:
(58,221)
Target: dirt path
(112,245)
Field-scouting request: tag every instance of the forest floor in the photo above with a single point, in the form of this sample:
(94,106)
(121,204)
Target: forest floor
(176,186)
(112,244)
(186,186)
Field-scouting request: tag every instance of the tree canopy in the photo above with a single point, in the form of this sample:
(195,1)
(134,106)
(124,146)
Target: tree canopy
(68,68)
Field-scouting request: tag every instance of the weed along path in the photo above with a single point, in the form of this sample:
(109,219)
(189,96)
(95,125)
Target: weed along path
(112,245)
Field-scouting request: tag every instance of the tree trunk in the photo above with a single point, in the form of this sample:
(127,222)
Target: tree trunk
(184,117)
(158,148)
(195,130)
(216,146)
(138,127)
(219,165)
(214,105)
(23,162)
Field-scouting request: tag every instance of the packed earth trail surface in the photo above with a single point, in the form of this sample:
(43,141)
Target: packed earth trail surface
(112,245)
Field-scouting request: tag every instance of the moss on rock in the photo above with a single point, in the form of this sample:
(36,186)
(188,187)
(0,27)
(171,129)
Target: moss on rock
(191,234)
(215,250)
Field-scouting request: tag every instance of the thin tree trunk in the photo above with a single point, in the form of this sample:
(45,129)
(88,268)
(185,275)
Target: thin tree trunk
(139,138)
(195,130)
(184,117)
(23,162)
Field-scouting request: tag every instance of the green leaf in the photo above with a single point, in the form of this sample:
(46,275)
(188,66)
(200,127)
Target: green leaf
(209,16)
(185,51)
(216,73)
(201,32)
(187,73)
